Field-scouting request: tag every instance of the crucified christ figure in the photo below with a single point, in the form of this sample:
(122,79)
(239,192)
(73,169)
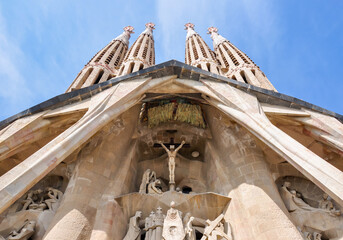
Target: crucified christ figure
(171,161)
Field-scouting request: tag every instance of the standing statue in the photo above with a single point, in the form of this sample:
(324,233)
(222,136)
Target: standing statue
(215,229)
(24,232)
(159,218)
(152,187)
(172,226)
(171,162)
(149,225)
(148,176)
(134,232)
(55,197)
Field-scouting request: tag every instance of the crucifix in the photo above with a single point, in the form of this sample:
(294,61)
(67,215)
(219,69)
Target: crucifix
(171,160)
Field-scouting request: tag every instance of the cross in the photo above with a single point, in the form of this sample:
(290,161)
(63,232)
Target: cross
(157,145)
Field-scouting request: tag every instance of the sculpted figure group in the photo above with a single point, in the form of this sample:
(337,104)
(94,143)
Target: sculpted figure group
(172,226)
(311,221)
(41,200)
(23,233)
(293,200)
(149,183)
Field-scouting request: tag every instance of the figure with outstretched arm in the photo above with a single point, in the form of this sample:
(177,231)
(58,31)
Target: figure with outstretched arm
(171,159)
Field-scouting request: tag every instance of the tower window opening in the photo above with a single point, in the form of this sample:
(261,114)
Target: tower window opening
(101,72)
(234,60)
(138,47)
(199,66)
(130,50)
(227,65)
(196,56)
(119,58)
(202,48)
(189,56)
(145,50)
(110,76)
(84,78)
(234,77)
(186,189)
(253,72)
(243,76)
(208,67)
(110,56)
(121,70)
(130,67)
(103,52)
(141,66)
(240,53)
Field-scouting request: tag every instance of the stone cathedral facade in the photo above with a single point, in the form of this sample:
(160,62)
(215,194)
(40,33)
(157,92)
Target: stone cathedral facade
(206,149)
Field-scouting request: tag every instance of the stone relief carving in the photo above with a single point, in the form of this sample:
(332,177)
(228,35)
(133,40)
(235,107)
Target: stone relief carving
(293,200)
(24,232)
(172,226)
(34,201)
(313,222)
(41,200)
(54,199)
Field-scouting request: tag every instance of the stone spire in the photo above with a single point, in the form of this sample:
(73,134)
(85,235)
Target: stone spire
(198,54)
(141,54)
(105,64)
(235,64)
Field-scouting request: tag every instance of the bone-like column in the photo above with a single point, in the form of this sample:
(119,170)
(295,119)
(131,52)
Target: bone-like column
(246,110)
(115,101)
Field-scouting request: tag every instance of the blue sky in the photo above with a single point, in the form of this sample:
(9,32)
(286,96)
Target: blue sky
(44,44)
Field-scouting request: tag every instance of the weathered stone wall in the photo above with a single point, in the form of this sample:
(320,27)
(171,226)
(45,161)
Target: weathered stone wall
(237,168)
(106,168)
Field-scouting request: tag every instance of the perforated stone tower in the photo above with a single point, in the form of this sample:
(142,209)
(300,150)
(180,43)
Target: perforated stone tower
(105,64)
(198,54)
(205,149)
(235,64)
(141,54)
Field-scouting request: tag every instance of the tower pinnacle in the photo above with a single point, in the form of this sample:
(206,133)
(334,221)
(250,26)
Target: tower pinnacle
(236,64)
(141,54)
(105,64)
(125,36)
(198,54)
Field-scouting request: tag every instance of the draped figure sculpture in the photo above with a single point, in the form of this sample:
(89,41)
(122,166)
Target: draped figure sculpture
(134,232)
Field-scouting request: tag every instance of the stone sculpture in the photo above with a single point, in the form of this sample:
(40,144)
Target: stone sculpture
(34,201)
(158,221)
(24,232)
(189,230)
(215,229)
(327,205)
(149,226)
(54,199)
(152,187)
(148,177)
(171,160)
(134,232)
(172,227)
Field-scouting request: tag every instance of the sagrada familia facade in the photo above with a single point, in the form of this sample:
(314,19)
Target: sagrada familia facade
(206,149)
